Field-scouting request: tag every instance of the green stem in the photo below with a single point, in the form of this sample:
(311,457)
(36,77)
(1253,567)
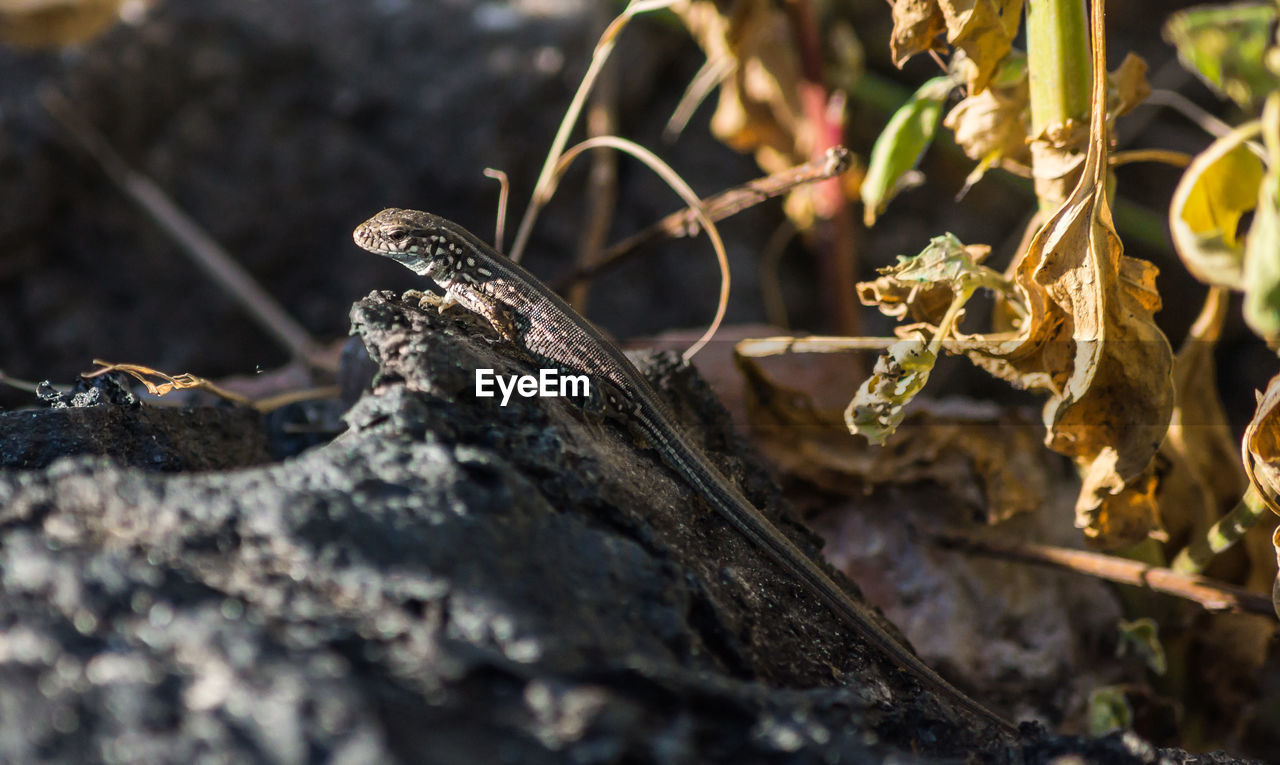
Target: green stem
(1058,68)
(1231,529)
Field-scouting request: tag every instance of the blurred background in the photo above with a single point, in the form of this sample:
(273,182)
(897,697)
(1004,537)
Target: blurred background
(280,126)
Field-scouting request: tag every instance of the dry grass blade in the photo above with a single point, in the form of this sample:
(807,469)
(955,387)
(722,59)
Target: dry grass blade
(14,382)
(546,183)
(206,253)
(686,193)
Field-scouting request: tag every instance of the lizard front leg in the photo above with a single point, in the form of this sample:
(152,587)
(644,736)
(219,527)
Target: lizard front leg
(500,317)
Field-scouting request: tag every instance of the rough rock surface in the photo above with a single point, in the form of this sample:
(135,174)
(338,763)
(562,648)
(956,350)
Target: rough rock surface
(448,581)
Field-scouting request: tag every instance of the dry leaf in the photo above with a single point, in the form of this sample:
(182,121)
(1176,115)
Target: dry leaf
(1129,85)
(922,287)
(1261,452)
(992,126)
(916,26)
(1089,338)
(975,449)
(765,105)
(759,107)
(54,23)
(1205,478)
(983,29)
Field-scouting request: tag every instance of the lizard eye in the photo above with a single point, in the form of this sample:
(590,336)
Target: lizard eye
(395,234)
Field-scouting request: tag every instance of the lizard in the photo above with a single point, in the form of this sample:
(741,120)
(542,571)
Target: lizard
(525,311)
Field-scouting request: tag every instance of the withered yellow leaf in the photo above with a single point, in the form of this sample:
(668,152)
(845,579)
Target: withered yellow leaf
(763,94)
(1261,447)
(984,30)
(993,125)
(916,26)
(1090,339)
(1217,189)
(945,270)
(1129,83)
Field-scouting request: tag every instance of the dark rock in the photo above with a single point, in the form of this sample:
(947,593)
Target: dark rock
(151,438)
(95,391)
(450,580)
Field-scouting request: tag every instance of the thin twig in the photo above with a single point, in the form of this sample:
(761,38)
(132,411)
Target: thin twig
(1165,156)
(184,381)
(763,347)
(1211,594)
(206,253)
(771,297)
(717,207)
(1188,108)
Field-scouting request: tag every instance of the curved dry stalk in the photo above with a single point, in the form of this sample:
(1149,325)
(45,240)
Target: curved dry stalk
(545,186)
(690,198)
(504,190)
(170,383)
(1231,528)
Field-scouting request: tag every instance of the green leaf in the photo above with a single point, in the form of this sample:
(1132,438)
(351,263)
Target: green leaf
(877,409)
(948,260)
(1109,710)
(1217,189)
(900,146)
(1142,636)
(1262,262)
(1227,46)
(947,265)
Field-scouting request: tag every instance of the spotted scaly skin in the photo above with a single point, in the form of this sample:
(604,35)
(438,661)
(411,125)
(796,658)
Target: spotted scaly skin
(525,311)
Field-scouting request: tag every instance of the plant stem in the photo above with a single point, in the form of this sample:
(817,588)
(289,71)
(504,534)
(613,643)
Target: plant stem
(1058,67)
(1194,557)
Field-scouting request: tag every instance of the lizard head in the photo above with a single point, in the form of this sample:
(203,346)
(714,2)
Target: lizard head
(415,239)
